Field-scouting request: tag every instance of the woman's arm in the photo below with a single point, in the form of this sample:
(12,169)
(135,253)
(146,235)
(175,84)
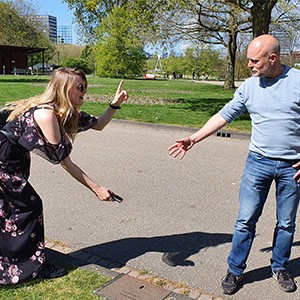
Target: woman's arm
(101,192)
(46,120)
(106,117)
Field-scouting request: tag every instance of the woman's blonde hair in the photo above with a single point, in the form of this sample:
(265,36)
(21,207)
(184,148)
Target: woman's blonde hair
(56,93)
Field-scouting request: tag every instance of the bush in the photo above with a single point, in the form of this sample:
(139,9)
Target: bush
(72,62)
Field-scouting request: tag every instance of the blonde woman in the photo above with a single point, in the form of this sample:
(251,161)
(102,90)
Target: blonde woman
(47,125)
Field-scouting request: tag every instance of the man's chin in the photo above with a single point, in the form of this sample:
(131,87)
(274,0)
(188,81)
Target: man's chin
(255,74)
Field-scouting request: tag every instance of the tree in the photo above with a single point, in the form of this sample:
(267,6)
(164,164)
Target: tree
(119,52)
(17,29)
(88,55)
(222,22)
(215,22)
(209,22)
(260,11)
(89,14)
(201,60)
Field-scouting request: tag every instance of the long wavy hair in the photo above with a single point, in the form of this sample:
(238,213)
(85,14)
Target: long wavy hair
(57,94)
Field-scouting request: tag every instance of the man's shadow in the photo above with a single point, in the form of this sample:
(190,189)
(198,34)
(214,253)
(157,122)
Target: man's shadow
(264,273)
(176,249)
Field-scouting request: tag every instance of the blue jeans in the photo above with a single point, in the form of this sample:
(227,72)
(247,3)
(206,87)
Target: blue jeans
(258,175)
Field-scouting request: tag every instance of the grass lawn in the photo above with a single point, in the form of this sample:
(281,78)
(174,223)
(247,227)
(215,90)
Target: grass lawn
(174,102)
(78,284)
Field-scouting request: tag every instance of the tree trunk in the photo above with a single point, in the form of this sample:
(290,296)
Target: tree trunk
(230,68)
(261,16)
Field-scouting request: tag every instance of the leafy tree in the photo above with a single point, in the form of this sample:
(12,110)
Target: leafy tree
(207,22)
(88,55)
(222,22)
(18,30)
(73,62)
(215,22)
(119,52)
(63,51)
(89,15)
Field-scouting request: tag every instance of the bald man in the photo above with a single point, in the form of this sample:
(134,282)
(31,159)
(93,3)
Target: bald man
(272,98)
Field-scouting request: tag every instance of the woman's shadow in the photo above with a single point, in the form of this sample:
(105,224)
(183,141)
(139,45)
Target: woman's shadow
(176,249)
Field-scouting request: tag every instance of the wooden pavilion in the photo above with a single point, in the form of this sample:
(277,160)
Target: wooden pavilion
(15,59)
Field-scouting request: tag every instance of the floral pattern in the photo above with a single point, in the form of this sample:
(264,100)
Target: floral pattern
(21,210)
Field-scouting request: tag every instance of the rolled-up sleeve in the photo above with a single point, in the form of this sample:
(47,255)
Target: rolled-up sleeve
(235,107)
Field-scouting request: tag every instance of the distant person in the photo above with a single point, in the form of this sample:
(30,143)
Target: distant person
(15,71)
(271,96)
(47,125)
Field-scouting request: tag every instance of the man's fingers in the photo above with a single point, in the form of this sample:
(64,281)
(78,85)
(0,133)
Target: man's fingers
(175,150)
(180,152)
(172,147)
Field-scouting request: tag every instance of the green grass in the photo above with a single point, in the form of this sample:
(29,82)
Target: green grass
(173,102)
(78,284)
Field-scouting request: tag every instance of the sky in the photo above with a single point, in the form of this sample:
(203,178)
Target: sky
(58,9)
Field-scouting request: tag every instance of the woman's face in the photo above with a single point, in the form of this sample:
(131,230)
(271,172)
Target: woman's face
(77,92)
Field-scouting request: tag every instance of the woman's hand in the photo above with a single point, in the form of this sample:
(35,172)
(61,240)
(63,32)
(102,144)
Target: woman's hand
(181,147)
(120,96)
(104,194)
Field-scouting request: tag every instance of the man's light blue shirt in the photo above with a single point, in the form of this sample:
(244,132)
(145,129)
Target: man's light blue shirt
(274,108)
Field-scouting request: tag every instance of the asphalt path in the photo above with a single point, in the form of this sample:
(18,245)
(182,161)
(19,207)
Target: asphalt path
(177,217)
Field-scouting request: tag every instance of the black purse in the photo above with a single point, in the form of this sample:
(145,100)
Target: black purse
(4,113)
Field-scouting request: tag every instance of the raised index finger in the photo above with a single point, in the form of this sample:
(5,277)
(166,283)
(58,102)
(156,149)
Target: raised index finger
(120,86)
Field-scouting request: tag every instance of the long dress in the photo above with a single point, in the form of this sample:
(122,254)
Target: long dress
(21,210)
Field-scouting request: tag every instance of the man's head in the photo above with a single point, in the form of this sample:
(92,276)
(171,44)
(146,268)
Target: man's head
(264,57)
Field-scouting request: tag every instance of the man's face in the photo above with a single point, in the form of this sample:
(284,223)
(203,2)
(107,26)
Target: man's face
(258,61)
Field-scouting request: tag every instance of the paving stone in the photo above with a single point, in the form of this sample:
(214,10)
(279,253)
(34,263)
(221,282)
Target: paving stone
(134,273)
(76,254)
(205,297)
(104,263)
(123,270)
(84,255)
(49,244)
(93,259)
(194,294)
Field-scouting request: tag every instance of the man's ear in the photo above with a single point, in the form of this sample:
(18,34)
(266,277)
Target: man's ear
(273,58)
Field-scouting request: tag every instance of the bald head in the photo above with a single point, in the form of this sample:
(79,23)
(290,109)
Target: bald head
(266,44)
(264,57)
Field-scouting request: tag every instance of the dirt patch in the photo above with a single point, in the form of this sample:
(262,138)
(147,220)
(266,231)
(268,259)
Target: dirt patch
(131,100)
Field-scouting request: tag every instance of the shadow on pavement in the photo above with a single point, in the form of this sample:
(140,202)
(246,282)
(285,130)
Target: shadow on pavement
(176,248)
(265,272)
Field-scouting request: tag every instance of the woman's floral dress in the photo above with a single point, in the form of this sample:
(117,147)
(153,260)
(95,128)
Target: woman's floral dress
(21,211)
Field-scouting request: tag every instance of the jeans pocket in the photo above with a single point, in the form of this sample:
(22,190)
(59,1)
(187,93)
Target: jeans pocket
(256,155)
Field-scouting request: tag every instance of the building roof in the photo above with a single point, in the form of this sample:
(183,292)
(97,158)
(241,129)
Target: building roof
(28,49)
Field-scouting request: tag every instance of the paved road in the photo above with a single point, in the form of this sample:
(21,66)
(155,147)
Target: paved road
(178,213)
